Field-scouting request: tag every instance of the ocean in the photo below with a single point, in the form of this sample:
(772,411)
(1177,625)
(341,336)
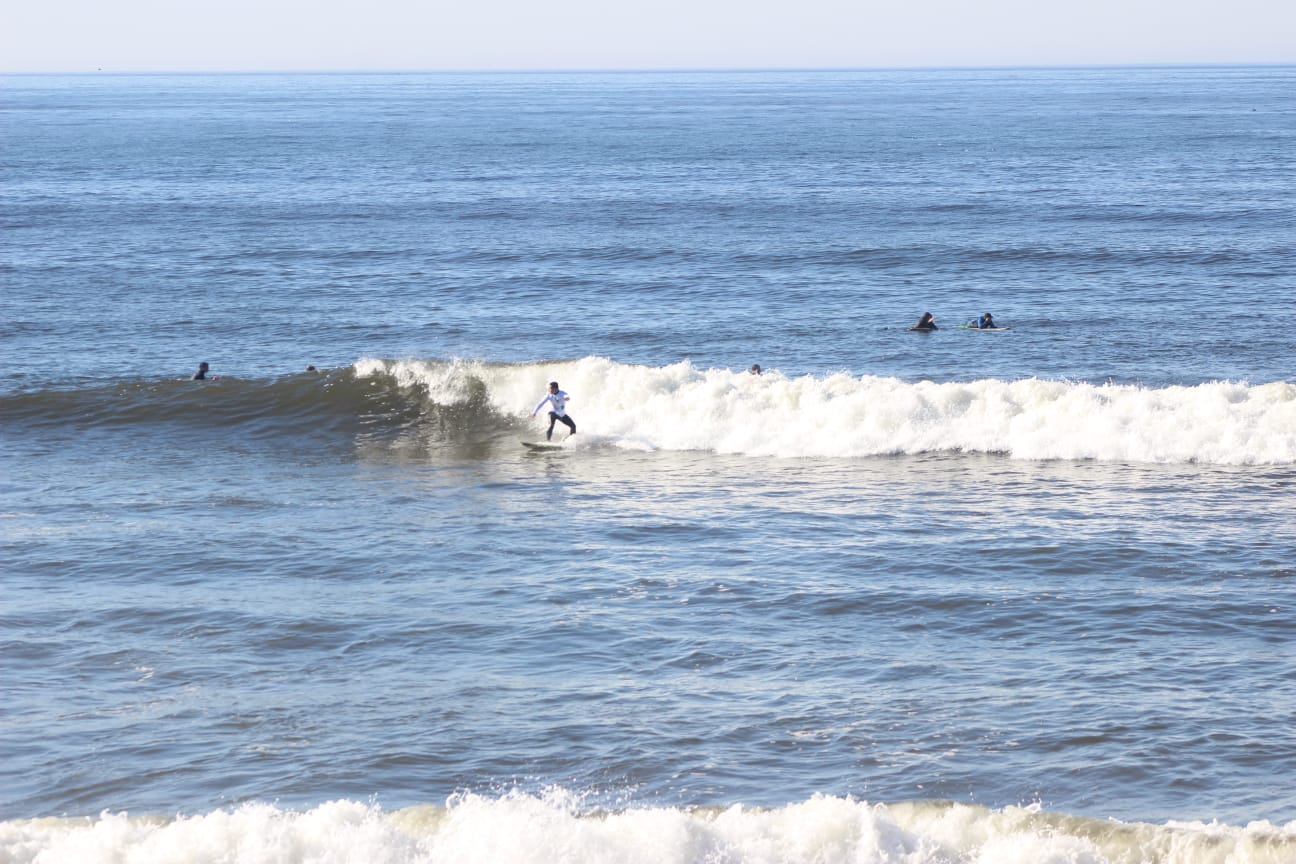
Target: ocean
(1025,596)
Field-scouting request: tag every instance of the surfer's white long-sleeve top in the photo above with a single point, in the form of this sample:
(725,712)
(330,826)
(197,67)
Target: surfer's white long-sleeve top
(557,400)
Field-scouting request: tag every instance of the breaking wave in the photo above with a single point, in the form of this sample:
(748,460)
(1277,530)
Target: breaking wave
(684,408)
(519,829)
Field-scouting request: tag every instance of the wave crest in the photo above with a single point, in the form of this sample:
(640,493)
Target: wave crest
(683,408)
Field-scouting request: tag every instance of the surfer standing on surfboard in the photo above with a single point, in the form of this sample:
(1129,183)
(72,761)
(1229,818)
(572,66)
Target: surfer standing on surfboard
(557,399)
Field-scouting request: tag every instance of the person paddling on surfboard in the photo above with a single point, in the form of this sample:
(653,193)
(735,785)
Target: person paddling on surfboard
(557,399)
(985,322)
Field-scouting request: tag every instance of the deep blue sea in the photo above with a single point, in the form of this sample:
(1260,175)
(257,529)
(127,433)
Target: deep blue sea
(956,597)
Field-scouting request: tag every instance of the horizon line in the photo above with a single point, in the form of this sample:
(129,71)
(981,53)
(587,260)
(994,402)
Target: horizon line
(660,70)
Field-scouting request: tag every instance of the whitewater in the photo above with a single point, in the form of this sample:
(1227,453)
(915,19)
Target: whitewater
(680,407)
(555,827)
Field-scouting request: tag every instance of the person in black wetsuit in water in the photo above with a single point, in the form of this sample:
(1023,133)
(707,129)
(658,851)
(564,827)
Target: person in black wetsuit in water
(926,322)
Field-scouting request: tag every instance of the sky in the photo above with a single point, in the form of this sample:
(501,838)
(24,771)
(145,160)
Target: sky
(346,35)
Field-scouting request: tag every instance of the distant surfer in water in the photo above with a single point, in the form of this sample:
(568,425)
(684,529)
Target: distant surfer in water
(755,370)
(985,322)
(201,374)
(557,400)
(926,322)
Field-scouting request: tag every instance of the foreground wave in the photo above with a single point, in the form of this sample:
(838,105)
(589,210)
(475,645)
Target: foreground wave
(519,829)
(683,408)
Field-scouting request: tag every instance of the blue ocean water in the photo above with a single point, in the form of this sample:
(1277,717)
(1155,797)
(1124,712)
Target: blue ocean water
(1023,595)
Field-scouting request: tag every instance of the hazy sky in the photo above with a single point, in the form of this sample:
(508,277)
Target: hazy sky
(228,35)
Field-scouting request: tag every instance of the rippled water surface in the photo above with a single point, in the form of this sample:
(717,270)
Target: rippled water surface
(1048,568)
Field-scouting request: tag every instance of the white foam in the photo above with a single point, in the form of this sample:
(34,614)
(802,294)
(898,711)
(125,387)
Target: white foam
(526,829)
(680,407)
